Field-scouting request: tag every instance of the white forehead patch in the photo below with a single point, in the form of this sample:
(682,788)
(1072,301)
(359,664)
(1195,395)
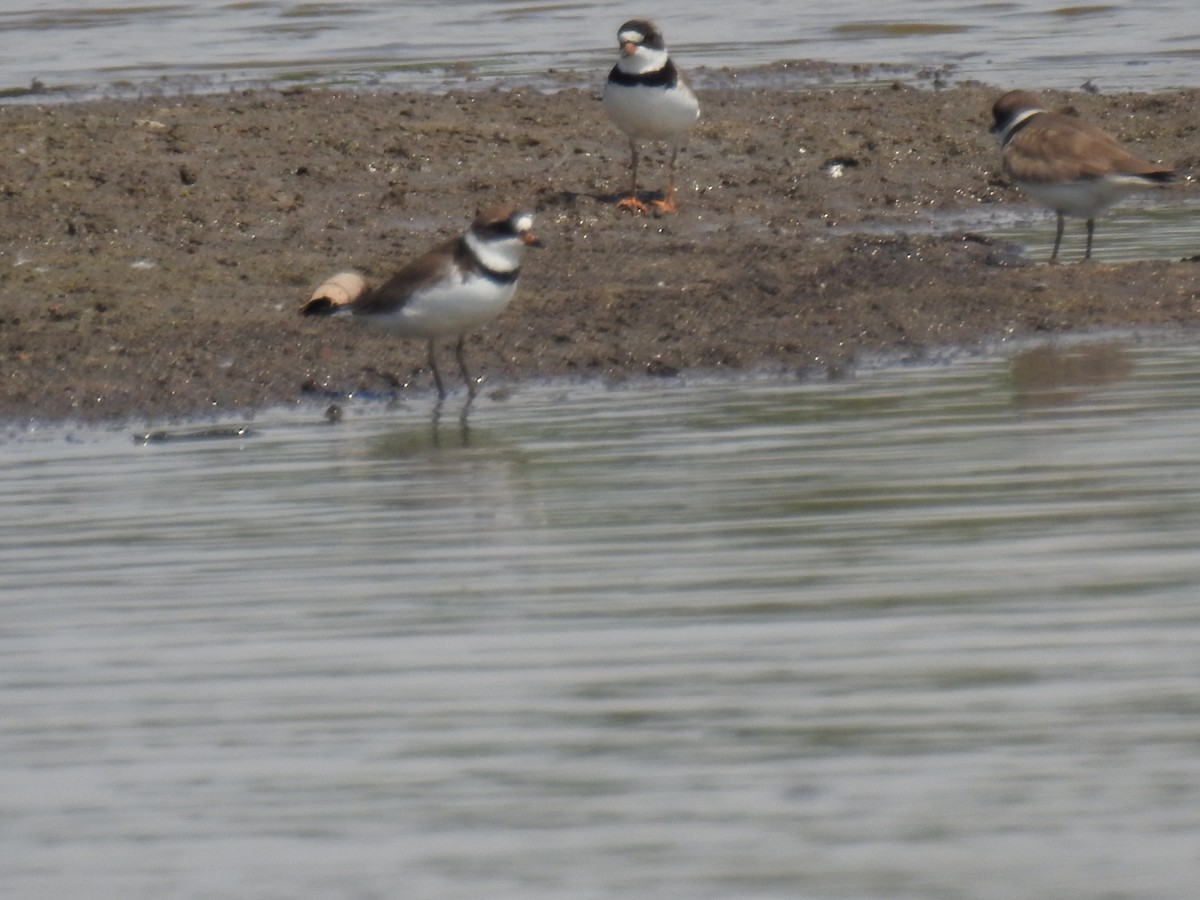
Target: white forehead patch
(635,36)
(523,223)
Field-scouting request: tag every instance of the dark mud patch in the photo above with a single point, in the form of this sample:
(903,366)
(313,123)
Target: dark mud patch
(154,253)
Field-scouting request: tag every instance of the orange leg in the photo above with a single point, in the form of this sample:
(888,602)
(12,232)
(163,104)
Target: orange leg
(667,203)
(632,202)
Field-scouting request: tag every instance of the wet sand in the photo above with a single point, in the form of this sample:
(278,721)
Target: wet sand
(155,252)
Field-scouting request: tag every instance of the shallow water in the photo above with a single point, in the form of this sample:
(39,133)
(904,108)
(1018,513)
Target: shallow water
(144,45)
(1151,226)
(1160,228)
(927,632)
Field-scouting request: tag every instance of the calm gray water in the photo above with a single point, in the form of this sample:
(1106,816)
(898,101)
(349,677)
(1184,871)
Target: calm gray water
(90,44)
(928,632)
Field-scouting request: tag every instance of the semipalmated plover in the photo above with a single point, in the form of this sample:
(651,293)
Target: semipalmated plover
(648,99)
(1067,164)
(455,287)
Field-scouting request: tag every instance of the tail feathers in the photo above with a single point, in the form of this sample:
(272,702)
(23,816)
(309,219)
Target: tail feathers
(1162,176)
(320,306)
(334,294)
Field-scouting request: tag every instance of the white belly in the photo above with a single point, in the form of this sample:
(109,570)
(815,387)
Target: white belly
(448,309)
(653,113)
(1084,199)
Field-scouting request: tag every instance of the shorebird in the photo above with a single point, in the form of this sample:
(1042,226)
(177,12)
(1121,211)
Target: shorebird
(450,290)
(1069,165)
(648,99)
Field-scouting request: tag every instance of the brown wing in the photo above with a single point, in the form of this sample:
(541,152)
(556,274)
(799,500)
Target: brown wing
(423,271)
(1062,148)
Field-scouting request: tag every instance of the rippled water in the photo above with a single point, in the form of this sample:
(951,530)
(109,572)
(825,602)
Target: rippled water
(208,43)
(1142,227)
(928,632)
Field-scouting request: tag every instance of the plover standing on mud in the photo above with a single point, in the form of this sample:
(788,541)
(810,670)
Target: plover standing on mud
(648,99)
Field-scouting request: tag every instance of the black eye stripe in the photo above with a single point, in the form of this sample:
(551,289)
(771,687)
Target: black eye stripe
(500,229)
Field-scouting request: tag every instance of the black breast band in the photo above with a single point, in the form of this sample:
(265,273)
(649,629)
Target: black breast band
(667,76)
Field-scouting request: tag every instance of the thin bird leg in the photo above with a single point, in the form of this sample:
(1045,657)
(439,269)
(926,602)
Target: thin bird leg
(437,376)
(1091,226)
(632,201)
(1058,238)
(633,167)
(461,354)
(667,204)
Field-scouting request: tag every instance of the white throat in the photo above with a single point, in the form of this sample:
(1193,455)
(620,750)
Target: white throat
(502,255)
(642,60)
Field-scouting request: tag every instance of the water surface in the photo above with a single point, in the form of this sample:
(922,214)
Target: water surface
(927,632)
(1153,225)
(151,45)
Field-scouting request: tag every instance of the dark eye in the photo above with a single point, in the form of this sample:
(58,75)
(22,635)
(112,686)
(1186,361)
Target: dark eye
(501,229)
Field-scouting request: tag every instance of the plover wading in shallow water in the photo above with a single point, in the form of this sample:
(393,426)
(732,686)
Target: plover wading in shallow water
(1066,164)
(450,290)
